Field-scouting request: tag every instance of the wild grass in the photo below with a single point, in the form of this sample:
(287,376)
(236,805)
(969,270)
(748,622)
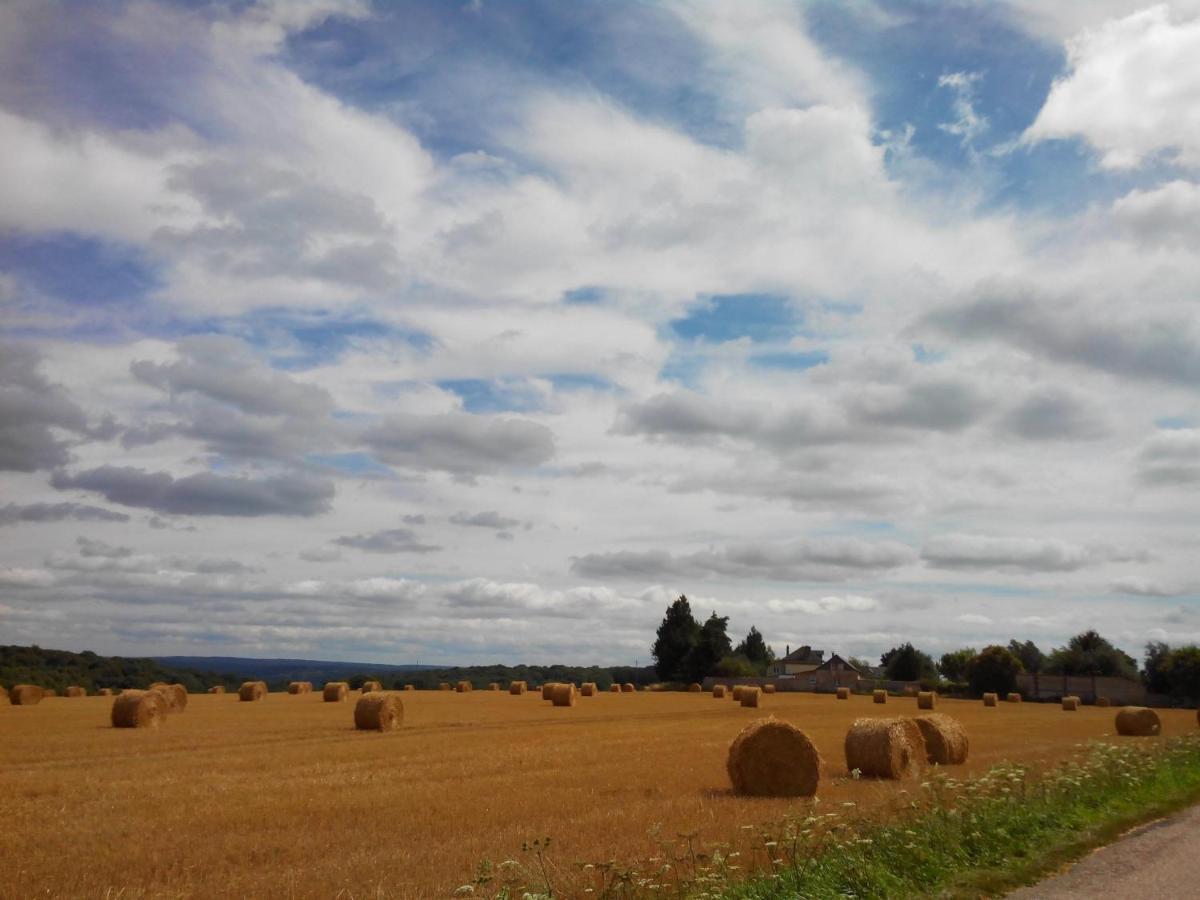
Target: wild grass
(970,837)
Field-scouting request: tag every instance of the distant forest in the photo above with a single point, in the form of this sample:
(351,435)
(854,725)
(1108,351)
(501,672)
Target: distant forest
(60,668)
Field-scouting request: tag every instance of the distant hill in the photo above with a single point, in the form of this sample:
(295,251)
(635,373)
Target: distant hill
(60,668)
(284,670)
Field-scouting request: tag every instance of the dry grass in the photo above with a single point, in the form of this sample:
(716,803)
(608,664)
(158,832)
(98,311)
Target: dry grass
(246,801)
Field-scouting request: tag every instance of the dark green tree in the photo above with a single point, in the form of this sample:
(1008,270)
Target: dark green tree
(711,647)
(953,665)
(1028,653)
(993,669)
(907,663)
(676,638)
(755,649)
(1181,669)
(1090,654)
(1153,673)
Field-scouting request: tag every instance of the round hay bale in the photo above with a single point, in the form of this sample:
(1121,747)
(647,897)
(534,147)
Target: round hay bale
(493,685)
(694,688)
(104,692)
(990,699)
(371,687)
(410,687)
(179,696)
(843,693)
(252,690)
(548,690)
(76,691)
(627,688)
(926,699)
(300,687)
(155,685)
(563,695)
(1103,702)
(443,685)
(1014,697)
(614,689)
(217,689)
(376,711)
(946,741)
(736,693)
(588,689)
(25,695)
(335,691)
(1070,704)
(139,709)
(170,700)
(49,692)
(1138,721)
(768,688)
(718,691)
(750,697)
(879,696)
(518,687)
(463,687)
(770,758)
(885,748)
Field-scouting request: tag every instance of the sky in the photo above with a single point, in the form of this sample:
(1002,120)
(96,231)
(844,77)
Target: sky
(476,332)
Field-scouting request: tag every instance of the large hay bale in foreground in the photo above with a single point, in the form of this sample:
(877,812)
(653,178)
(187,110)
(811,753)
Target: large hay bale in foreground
(718,691)
(139,709)
(770,758)
(768,688)
(335,691)
(464,687)
(376,711)
(1138,721)
(563,695)
(885,748)
(926,699)
(518,687)
(879,696)
(628,688)
(252,690)
(750,697)
(76,691)
(1070,704)
(1014,697)
(588,689)
(990,699)
(843,693)
(300,687)
(946,741)
(694,688)
(25,695)
(1103,702)
(217,689)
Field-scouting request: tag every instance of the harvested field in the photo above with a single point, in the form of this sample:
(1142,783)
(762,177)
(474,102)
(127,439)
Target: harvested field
(290,777)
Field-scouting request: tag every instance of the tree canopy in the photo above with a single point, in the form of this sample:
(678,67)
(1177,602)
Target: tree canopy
(676,637)
(993,669)
(907,663)
(1090,654)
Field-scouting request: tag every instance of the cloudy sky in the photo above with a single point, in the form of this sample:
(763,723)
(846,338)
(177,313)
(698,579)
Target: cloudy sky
(473,332)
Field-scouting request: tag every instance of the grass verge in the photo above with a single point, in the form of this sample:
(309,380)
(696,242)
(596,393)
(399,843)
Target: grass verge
(955,838)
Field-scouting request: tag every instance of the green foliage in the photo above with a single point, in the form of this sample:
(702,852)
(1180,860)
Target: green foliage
(994,669)
(58,669)
(676,637)
(735,665)
(481,676)
(1090,654)
(755,649)
(712,645)
(1181,672)
(907,663)
(1152,671)
(1028,653)
(953,665)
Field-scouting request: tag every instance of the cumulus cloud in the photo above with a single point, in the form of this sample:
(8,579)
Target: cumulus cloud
(971,551)
(1054,414)
(392,540)
(817,560)
(203,494)
(33,413)
(13,513)
(1170,459)
(490,519)
(460,442)
(824,606)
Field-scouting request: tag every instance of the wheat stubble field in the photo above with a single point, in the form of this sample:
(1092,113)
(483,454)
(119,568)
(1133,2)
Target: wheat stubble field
(282,798)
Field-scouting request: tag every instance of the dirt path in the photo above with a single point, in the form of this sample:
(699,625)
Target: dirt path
(1155,861)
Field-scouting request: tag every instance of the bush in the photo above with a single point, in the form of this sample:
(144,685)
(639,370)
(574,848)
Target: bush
(734,666)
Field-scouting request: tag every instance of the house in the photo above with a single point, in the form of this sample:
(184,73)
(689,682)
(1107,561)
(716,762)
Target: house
(800,662)
(814,672)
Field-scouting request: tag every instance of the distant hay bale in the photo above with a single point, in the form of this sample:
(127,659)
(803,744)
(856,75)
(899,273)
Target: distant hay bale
(768,688)
(563,695)
(335,691)
(463,687)
(371,687)
(104,692)
(718,691)
(217,689)
(614,689)
(694,688)
(843,693)
(1014,697)
(252,690)
(76,691)
(548,690)
(885,748)
(139,709)
(926,699)
(25,695)
(750,696)
(444,686)
(627,688)
(946,741)
(410,687)
(493,685)
(879,696)
(518,687)
(49,692)
(770,758)
(1138,721)
(1103,702)
(736,693)
(1070,704)
(300,687)
(990,699)
(376,711)
(588,689)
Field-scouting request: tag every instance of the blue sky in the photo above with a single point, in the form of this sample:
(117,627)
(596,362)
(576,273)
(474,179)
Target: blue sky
(460,318)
